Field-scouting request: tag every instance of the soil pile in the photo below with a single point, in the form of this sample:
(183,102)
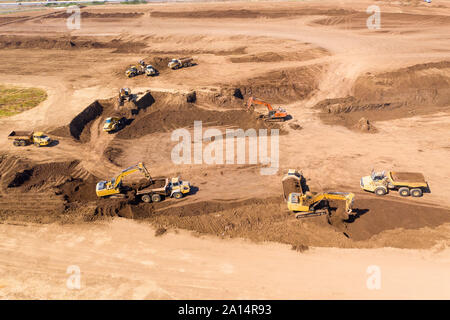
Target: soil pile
(67,43)
(364,125)
(170,119)
(92,15)
(416,90)
(248,14)
(283,85)
(307,54)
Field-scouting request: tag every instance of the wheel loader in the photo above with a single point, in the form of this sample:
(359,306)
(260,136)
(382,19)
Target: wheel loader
(278,114)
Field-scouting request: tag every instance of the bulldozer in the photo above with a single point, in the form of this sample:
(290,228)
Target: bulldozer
(125,94)
(278,114)
(113,188)
(309,204)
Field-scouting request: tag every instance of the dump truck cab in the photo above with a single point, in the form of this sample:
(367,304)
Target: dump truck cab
(112,124)
(40,139)
(178,187)
(132,72)
(150,70)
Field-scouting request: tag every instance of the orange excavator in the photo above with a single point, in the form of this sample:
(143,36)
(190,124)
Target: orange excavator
(273,114)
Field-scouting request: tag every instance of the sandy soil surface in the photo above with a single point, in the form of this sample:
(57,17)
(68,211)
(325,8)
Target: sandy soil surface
(359,99)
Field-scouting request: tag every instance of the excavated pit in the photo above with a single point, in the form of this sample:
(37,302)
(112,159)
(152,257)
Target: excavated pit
(67,194)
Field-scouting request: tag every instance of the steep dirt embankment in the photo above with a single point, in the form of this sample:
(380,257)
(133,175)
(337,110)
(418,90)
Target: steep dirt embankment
(416,90)
(67,43)
(249,13)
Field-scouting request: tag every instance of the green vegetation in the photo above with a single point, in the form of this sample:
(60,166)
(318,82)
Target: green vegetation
(93,3)
(134,2)
(14,100)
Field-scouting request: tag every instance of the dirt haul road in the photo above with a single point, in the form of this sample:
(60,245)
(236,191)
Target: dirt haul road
(317,59)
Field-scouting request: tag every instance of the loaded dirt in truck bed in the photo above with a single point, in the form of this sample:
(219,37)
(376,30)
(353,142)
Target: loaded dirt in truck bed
(408,176)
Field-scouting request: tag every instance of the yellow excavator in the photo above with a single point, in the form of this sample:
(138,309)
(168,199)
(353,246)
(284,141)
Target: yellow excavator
(113,187)
(309,204)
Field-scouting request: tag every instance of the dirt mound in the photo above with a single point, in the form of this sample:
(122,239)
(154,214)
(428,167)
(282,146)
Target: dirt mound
(357,20)
(375,216)
(83,120)
(78,190)
(92,15)
(247,14)
(283,86)
(80,127)
(307,54)
(364,125)
(67,43)
(114,208)
(416,90)
(173,118)
(27,176)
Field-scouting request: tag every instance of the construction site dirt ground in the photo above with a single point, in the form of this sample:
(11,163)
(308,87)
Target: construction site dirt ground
(359,99)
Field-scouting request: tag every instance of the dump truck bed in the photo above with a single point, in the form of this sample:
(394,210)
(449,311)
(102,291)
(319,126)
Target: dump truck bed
(158,185)
(415,179)
(16,134)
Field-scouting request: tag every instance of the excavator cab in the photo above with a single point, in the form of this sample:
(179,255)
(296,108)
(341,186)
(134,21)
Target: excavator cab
(113,187)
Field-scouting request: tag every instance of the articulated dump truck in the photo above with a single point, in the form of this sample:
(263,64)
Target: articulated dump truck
(24,138)
(406,183)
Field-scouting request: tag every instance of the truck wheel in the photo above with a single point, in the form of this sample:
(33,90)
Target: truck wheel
(404,191)
(36,144)
(416,192)
(178,195)
(22,143)
(380,191)
(156,198)
(146,198)
(16,143)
